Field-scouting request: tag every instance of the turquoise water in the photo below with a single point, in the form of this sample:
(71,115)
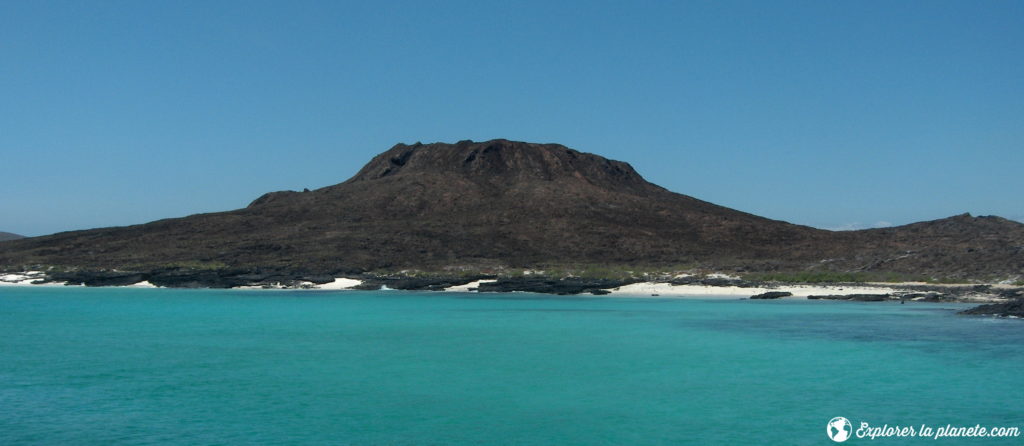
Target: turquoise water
(186,367)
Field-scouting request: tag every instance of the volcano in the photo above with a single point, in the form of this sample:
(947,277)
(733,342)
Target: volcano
(504,204)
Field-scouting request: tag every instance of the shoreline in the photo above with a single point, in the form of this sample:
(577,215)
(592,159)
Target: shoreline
(715,285)
(995,300)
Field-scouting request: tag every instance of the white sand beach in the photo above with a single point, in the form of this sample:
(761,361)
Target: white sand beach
(638,290)
(466,288)
(25,278)
(340,283)
(656,289)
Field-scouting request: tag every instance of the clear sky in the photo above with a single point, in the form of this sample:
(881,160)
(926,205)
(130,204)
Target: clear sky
(824,113)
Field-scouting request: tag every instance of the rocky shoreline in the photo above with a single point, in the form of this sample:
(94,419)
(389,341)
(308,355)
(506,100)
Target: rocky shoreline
(1003,301)
(1011,309)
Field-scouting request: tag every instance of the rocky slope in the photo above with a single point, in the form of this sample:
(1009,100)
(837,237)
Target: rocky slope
(477,206)
(5,236)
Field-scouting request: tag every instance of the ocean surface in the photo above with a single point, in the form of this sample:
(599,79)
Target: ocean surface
(115,366)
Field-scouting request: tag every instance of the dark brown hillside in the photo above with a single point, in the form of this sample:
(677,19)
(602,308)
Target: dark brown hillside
(501,203)
(4,236)
(985,247)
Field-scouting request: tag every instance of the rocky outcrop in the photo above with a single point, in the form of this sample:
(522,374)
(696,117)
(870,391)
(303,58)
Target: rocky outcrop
(713,281)
(430,283)
(1014,309)
(97,278)
(568,285)
(855,297)
(926,297)
(772,295)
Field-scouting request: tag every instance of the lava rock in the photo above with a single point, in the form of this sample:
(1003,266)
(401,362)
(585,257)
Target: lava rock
(97,278)
(927,297)
(1014,309)
(432,283)
(716,281)
(772,295)
(855,297)
(563,286)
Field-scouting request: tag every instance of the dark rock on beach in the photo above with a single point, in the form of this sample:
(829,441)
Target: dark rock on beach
(856,297)
(772,295)
(203,279)
(1014,308)
(958,293)
(98,278)
(927,297)
(568,285)
(435,283)
(713,281)
(1012,293)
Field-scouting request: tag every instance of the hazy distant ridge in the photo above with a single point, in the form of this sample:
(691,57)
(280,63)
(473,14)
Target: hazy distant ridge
(4,236)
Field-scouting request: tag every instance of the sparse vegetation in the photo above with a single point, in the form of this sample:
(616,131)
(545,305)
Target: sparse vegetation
(597,219)
(943,280)
(589,271)
(656,273)
(835,277)
(599,271)
(808,277)
(197,265)
(848,277)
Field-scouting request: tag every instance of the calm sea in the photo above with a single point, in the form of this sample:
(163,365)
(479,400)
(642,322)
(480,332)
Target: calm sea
(204,367)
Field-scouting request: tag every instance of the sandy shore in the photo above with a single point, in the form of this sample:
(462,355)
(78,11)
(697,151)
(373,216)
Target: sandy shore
(649,289)
(466,288)
(661,289)
(642,289)
(340,283)
(25,279)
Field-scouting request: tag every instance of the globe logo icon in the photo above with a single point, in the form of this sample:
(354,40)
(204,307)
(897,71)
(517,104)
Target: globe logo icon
(839,429)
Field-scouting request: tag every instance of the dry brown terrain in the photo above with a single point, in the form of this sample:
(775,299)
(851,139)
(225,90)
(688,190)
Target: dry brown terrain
(482,205)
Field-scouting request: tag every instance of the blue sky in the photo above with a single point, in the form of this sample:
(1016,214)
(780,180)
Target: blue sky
(830,114)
